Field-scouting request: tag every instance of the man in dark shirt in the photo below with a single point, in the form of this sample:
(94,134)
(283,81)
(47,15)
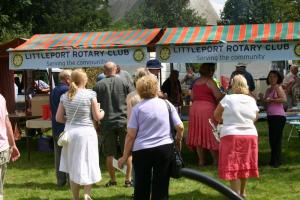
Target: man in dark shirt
(111,94)
(57,128)
(154,66)
(172,88)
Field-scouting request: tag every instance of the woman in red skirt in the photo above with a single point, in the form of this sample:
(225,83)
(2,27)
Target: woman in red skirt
(205,97)
(238,151)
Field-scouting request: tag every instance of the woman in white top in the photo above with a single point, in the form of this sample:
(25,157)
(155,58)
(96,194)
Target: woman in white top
(80,157)
(238,151)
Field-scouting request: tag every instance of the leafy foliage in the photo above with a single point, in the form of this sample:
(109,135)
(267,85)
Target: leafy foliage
(167,13)
(14,20)
(70,16)
(92,74)
(260,11)
(22,18)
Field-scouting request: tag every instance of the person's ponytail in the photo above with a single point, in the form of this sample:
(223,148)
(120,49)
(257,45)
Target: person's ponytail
(72,90)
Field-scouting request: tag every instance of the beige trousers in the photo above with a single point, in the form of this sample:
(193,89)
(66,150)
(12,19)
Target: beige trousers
(4,159)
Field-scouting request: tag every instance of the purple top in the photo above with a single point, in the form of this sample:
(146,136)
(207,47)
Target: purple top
(274,108)
(151,119)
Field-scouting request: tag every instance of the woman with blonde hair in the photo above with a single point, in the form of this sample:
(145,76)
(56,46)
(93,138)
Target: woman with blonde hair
(238,151)
(80,158)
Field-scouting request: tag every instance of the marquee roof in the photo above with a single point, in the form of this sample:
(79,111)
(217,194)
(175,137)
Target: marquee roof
(250,33)
(90,40)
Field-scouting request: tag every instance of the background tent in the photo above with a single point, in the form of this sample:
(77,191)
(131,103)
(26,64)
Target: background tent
(7,76)
(230,43)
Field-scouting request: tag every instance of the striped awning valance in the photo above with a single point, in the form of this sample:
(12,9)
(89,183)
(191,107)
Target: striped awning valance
(89,40)
(250,33)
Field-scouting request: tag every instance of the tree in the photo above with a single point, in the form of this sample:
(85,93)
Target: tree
(70,16)
(235,12)
(14,21)
(167,13)
(260,11)
(22,18)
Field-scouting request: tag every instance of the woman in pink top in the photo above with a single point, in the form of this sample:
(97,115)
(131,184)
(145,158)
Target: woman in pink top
(275,98)
(205,96)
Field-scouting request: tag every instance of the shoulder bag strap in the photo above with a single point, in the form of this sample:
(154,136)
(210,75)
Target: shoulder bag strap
(172,132)
(75,112)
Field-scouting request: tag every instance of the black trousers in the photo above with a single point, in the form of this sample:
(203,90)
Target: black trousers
(151,168)
(276,125)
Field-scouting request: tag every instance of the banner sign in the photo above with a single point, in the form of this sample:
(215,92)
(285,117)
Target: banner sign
(76,58)
(229,52)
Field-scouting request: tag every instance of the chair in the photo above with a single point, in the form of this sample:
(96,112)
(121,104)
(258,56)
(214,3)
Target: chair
(295,126)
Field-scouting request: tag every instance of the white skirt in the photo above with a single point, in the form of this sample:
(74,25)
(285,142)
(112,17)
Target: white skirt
(80,157)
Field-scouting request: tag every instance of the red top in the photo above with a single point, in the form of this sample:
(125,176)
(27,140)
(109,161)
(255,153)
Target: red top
(201,92)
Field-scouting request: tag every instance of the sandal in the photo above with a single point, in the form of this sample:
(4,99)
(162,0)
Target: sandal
(111,183)
(128,184)
(87,197)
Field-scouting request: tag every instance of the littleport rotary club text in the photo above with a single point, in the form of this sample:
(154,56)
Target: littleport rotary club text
(60,58)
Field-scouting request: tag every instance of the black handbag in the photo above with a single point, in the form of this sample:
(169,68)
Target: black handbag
(176,160)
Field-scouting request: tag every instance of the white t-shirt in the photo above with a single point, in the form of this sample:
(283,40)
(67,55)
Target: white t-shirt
(239,112)
(3,131)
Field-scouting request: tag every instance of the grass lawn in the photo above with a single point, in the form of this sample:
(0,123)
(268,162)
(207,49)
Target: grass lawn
(35,179)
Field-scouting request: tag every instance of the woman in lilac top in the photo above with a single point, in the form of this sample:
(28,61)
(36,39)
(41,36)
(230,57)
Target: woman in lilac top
(274,98)
(150,141)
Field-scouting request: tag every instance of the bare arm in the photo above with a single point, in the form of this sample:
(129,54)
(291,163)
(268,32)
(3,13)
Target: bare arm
(256,117)
(179,135)
(218,113)
(60,114)
(45,90)
(129,106)
(15,154)
(129,141)
(97,113)
(281,96)
(216,91)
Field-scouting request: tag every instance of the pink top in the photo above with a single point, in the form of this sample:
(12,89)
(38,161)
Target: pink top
(274,108)
(201,92)
(3,114)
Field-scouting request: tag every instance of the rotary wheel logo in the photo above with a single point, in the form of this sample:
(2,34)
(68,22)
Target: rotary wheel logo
(297,49)
(165,53)
(138,55)
(18,60)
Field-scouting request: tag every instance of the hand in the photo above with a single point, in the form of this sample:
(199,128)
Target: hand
(268,100)
(189,75)
(121,162)
(160,94)
(15,154)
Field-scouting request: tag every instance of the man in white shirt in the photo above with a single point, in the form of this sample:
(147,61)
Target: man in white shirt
(287,84)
